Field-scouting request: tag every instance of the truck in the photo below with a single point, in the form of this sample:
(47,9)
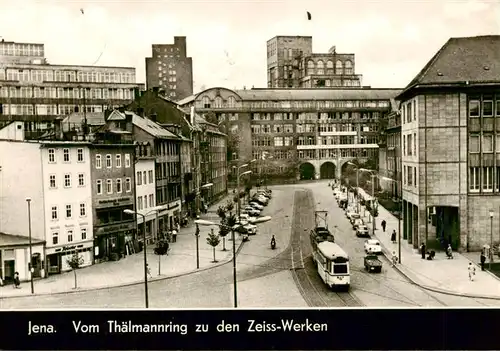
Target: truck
(373,263)
(320,232)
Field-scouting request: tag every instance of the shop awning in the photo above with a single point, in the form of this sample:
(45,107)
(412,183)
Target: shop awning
(10,240)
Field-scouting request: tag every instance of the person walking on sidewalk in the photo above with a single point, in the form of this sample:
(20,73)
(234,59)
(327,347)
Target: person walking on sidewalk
(149,271)
(482,259)
(383,224)
(17,281)
(472,272)
(423,250)
(449,251)
(393,236)
(394,258)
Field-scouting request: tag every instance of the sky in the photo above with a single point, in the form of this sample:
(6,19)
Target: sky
(392,39)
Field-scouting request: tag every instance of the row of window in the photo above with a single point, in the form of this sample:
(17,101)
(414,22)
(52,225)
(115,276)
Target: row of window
(67,155)
(329,154)
(409,111)
(142,201)
(118,188)
(21,49)
(47,110)
(52,75)
(410,176)
(484,106)
(144,177)
(70,235)
(68,211)
(109,161)
(410,144)
(484,143)
(165,170)
(67,183)
(67,93)
(482,179)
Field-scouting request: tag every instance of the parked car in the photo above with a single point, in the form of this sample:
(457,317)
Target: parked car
(351,215)
(262,193)
(362,231)
(261,200)
(373,246)
(253,212)
(256,205)
(373,264)
(251,229)
(246,217)
(357,222)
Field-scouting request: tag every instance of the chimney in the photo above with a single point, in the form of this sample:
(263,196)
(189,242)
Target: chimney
(121,109)
(156,90)
(140,111)
(191,116)
(128,117)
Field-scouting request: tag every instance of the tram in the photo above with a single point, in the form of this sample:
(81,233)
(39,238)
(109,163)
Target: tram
(332,263)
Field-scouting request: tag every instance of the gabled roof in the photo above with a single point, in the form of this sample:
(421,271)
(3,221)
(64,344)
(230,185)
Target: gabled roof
(77,118)
(186,100)
(318,94)
(461,60)
(10,240)
(145,124)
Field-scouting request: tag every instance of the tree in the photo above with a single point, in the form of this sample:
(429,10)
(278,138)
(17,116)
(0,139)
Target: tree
(213,240)
(160,250)
(223,232)
(75,262)
(221,212)
(229,206)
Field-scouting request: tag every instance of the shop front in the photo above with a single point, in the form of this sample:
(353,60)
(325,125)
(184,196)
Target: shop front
(169,216)
(113,241)
(150,227)
(15,257)
(58,256)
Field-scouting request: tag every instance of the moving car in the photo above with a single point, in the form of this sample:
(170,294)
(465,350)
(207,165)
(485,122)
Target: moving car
(373,264)
(351,215)
(373,246)
(251,229)
(362,231)
(357,222)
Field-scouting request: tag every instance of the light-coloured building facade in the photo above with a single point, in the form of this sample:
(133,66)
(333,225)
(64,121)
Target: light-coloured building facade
(145,190)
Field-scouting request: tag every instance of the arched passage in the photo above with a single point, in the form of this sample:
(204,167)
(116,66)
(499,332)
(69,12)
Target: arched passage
(345,169)
(306,171)
(327,170)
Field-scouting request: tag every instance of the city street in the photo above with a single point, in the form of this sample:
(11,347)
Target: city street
(282,278)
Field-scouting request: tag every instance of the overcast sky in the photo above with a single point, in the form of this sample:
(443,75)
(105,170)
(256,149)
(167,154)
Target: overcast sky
(392,40)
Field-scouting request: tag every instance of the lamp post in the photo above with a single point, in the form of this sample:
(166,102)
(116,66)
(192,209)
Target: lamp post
(399,223)
(209,223)
(238,175)
(131,212)
(357,183)
(30,264)
(491,238)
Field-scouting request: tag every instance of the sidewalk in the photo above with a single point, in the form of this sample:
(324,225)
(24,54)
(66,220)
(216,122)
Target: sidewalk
(181,260)
(447,276)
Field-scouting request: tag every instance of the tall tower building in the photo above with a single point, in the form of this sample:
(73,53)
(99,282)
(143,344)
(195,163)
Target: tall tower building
(170,69)
(292,64)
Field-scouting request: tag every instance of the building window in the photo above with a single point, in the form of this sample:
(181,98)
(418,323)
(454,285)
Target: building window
(488,106)
(474,144)
(144,178)
(348,67)
(67,180)
(150,176)
(404,145)
(320,68)
(497,109)
(474,108)
(415,176)
(487,145)
(409,144)
(70,236)
(98,161)
(138,178)
(118,161)
(52,181)
(128,185)
(231,101)
(206,102)
(415,144)
(310,67)
(55,238)
(81,179)
(118,185)
(145,201)
(79,154)
(83,233)
(108,161)
(487,179)
(52,156)
(83,210)
(66,155)
(54,212)
(68,211)
(139,203)
(109,186)
(127,160)
(99,186)
(497,143)
(151,202)
(474,179)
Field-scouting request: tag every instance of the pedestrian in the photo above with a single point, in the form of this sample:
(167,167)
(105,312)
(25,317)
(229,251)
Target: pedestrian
(17,282)
(393,236)
(472,271)
(422,250)
(174,235)
(148,270)
(383,225)
(449,252)
(394,258)
(1,281)
(483,259)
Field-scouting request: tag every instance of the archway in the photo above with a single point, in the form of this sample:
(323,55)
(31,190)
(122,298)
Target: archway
(306,171)
(327,170)
(346,169)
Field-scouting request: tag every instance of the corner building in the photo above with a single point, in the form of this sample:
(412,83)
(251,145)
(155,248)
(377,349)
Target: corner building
(310,133)
(451,147)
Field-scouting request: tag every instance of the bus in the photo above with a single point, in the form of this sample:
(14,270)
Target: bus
(332,263)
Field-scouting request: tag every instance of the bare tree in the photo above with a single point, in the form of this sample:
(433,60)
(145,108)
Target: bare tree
(75,262)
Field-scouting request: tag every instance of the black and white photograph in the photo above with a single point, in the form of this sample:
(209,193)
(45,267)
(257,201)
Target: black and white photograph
(249,154)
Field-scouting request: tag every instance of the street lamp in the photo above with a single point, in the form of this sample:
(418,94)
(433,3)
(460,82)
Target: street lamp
(131,212)
(357,183)
(399,223)
(491,238)
(238,175)
(373,175)
(255,221)
(30,264)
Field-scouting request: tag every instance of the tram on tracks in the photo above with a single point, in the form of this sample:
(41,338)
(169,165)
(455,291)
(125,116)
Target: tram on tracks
(332,263)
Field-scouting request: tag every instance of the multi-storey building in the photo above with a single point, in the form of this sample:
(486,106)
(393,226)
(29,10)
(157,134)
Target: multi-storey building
(146,189)
(390,156)
(56,177)
(35,92)
(170,69)
(292,64)
(450,141)
(113,179)
(309,133)
(165,148)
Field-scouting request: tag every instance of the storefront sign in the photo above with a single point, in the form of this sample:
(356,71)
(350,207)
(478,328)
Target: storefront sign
(114,228)
(65,248)
(115,202)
